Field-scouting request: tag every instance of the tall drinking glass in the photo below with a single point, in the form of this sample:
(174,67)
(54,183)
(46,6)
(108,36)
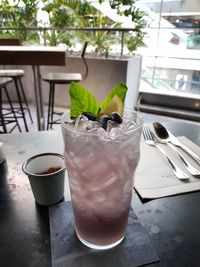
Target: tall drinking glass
(101,174)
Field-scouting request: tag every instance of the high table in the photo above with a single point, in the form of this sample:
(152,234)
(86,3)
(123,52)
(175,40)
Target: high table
(35,56)
(173,223)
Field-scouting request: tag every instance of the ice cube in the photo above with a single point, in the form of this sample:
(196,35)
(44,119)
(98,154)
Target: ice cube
(93,126)
(99,198)
(114,133)
(110,181)
(111,125)
(82,123)
(126,126)
(102,134)
(79,121)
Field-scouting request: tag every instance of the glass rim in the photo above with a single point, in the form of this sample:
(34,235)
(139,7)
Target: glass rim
(54,154)
(76,130)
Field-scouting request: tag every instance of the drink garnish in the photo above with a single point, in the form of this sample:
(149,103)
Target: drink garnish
(83,101)
(90,116)
(119,90)
(115,105)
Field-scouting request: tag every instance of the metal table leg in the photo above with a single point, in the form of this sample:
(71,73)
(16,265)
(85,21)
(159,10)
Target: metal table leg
(38,97)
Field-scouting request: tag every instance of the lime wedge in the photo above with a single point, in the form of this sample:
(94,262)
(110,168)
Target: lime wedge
(115,105)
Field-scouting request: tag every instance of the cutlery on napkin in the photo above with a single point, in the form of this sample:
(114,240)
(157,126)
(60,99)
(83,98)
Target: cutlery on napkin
(154,178)
(162,135)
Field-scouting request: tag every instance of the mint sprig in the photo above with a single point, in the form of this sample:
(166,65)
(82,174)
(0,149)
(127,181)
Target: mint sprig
(82,100)
(120,90)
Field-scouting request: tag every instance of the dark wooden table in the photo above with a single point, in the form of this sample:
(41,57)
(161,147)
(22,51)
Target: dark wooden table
(35,56)
(173,223)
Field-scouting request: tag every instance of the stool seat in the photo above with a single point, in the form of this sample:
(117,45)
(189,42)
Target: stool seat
(5,81)
(62,78)
(16,75)
(11,73)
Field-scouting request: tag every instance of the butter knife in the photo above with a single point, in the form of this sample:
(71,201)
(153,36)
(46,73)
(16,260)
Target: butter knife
(190,152)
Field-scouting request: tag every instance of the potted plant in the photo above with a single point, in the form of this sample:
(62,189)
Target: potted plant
(83,14)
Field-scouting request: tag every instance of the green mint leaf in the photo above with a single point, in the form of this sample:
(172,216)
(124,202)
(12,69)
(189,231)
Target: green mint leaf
(82,101)
(120,90)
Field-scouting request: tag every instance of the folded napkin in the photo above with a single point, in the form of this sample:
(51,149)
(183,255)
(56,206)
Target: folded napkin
(154,177)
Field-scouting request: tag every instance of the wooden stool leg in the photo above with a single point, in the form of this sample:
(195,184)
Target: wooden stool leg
(20,104)
(1,113)
(25,100)
(12,109)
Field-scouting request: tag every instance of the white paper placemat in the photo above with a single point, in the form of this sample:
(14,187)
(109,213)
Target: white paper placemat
(154,177)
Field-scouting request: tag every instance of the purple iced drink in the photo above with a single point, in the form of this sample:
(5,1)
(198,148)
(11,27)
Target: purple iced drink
(101,166)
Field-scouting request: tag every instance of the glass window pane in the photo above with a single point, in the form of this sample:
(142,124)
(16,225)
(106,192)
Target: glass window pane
(171,58)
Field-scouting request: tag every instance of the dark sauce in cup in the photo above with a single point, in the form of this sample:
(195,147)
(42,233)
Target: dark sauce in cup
(51,170)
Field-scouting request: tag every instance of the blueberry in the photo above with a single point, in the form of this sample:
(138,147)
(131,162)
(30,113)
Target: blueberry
(89,115)
(116,117)
(103,121)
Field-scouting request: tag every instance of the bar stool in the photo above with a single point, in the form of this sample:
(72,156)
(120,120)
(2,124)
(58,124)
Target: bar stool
(7,114)
(16,75)
(62,78)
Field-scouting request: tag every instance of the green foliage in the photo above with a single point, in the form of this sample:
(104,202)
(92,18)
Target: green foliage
(135,41)
(22,16)
(61,14)
(127,8)
(120,90)
(65,13)
(101,40)
(82,100)
(72,13)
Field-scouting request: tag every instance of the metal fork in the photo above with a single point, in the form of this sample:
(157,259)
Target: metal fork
(149,138)
(190,168)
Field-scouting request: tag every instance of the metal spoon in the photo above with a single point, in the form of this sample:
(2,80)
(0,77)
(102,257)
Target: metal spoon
(173,140)
(163,136)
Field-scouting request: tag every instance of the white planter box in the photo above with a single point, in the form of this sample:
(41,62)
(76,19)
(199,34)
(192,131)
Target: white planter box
(103,75)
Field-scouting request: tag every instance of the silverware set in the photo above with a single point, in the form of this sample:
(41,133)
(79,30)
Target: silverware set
(158,134)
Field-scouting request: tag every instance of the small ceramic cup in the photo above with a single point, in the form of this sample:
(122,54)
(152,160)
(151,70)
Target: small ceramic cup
(46,173)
